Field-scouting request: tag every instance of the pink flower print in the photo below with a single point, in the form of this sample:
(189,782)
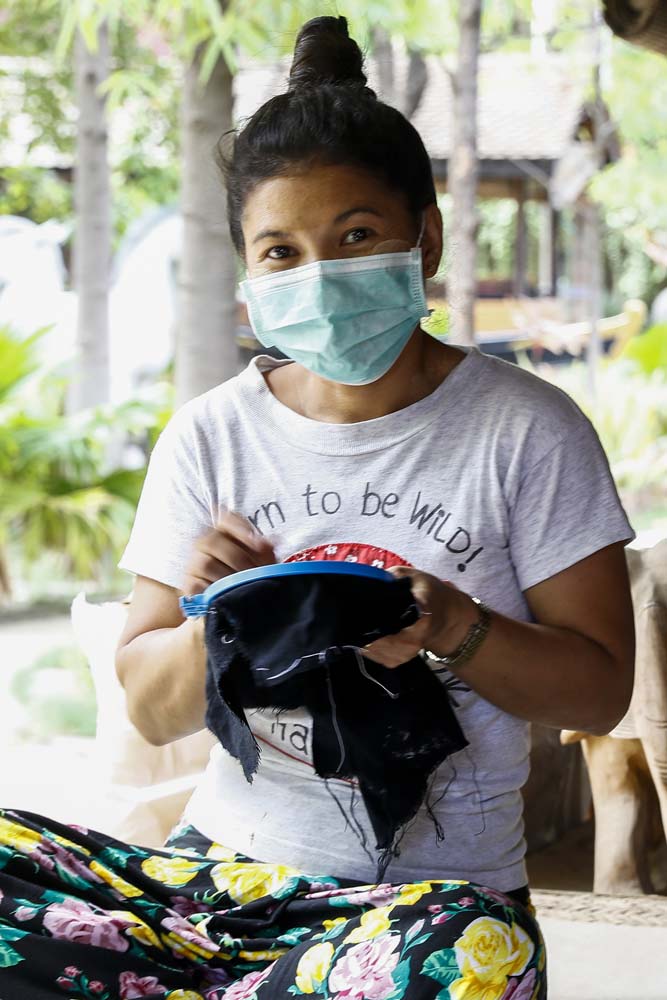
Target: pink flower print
(25,913)
(521,989)
(187,932)
(364,972)
(377,895)
(65,984)
(49,851)
(97,987)
(499,897)
(186,907)
(441,918)
(130,985)
(72,971)
(322,887)
(73,920)
(466,901)
(434,908)
(245,988)
(79,829)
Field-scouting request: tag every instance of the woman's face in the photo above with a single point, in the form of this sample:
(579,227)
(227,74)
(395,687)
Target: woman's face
(327,212)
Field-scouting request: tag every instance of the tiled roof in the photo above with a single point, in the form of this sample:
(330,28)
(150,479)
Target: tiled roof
(528,106)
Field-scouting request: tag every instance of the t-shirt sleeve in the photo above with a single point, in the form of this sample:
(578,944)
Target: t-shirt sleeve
(566,508)
(174,509)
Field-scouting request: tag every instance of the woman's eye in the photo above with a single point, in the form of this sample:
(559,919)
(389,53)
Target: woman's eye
(278,253)
(357,235)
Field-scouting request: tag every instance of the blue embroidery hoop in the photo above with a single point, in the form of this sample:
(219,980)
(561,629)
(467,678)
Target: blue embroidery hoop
(198,604)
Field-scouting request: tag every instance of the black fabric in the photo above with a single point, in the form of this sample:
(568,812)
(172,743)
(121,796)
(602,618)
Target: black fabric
(294,642)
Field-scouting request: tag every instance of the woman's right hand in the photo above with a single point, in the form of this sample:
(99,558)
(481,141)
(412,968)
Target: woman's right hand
(232,545)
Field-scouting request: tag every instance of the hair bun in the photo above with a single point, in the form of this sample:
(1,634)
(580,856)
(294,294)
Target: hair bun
(325,53)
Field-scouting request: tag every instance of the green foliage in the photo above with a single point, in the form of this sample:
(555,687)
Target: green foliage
(34,193)
(58,695)
(630,415)
(60,489)
(649,350)
(632,191)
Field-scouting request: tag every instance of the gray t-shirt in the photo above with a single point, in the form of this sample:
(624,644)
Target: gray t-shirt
(496,481)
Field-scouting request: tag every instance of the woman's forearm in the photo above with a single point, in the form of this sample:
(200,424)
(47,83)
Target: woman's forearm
(550,675)
(163,672)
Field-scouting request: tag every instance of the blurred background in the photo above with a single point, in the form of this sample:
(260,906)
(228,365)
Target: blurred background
(545,121)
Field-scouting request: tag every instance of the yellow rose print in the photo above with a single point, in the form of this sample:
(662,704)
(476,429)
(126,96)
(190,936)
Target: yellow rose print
(115,881)
(18,836)
(68,843)
(184,995)
(219,853)
(372,923)
(174,872)
(313,966)
(245,882)
(328,924)
(140,930)
(487,953)
(412,893)
(263,956)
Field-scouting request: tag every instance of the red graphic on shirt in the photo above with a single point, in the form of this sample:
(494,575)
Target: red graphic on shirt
(354,552)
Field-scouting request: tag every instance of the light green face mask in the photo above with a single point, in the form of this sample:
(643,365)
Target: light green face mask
(347,320)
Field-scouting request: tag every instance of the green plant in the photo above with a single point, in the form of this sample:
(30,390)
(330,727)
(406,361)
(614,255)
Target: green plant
(629,412)
(63,486)
(649,350)
(57,694)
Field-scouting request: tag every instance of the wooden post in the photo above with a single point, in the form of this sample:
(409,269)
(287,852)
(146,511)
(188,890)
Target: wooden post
(520,248)
(545,264)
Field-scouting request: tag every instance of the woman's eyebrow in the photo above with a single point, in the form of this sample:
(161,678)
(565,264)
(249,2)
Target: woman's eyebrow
(353,211)
(274,234)
(281,234)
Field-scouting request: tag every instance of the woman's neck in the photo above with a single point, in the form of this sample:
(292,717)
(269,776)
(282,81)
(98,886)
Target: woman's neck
(418,372)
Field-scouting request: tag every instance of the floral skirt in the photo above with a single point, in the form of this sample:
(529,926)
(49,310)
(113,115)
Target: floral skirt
(85,916)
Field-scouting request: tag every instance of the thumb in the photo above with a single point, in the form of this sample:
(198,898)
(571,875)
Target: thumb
(419,585)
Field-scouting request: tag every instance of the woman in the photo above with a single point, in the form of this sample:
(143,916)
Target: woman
(374,443)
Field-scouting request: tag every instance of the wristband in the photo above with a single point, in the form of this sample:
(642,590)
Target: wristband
(474,638)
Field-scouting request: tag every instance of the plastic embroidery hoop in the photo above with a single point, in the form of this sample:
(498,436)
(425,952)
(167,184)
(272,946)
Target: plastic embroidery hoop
(198,604)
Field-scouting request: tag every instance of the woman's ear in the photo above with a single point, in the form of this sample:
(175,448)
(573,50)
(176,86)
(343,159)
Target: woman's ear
(431,240)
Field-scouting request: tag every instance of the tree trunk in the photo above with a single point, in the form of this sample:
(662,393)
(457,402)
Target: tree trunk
(383,51)
(415,84)
(92,237)
(462,173)
(206,351)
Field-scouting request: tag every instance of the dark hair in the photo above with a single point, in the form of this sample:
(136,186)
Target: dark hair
(329,115)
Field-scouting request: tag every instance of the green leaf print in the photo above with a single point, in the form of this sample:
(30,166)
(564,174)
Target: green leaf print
(9,933)
(115,857)
(294,935)
(419,940)
(401,977)
(442,966)
(9,957)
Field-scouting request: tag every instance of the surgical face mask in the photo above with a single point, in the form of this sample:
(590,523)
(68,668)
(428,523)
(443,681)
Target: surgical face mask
(346,320)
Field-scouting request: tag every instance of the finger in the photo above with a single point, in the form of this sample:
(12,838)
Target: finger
(243,532)
(402,571)
(232,551)
(192,585)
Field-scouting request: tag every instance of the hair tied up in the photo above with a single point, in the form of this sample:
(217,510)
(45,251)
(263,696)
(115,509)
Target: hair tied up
(325,53)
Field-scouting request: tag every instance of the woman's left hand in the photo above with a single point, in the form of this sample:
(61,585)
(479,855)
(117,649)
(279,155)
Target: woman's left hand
(446,615)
